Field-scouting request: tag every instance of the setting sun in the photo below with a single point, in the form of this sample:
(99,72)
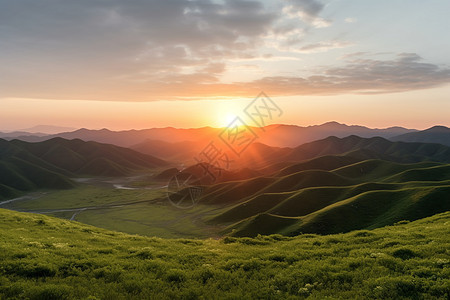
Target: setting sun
(227,119)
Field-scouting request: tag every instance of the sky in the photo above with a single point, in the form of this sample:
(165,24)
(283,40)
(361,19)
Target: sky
(192,63)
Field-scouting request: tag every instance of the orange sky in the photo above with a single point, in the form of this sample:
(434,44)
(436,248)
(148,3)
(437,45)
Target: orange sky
(382,110)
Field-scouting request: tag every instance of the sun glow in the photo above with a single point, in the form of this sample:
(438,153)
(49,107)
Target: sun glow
(225,112)
(227,119)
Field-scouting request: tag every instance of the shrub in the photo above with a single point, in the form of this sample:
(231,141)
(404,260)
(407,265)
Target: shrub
(144,254)
(404,253)
(205,275)
(363,234)
(49,292)
(33,270)
(175,276)
(108,274)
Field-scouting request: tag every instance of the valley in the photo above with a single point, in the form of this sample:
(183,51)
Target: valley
(327,186)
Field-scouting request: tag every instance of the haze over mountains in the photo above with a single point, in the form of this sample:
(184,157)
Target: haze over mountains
(39,130)
(145,140)
(273,135)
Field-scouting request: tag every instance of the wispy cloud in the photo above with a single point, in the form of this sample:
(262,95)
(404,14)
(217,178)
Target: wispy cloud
(405,72)
(323,46)
(308,11)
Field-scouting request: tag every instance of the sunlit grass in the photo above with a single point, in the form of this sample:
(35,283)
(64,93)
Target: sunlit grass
(49,258)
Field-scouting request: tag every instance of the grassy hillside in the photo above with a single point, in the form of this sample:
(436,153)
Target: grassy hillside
(27,166)
(74,155)
(331,194)
(48,258)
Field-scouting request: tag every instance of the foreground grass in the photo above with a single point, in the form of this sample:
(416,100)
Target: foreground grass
(49,258)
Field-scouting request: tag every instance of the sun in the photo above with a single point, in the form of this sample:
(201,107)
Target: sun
(224,112)
(227,119)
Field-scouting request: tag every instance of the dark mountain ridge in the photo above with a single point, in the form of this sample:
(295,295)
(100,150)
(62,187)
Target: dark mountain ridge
(436,134)
(28,166)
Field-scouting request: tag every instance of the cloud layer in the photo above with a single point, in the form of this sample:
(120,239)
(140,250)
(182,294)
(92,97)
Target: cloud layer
(144,50)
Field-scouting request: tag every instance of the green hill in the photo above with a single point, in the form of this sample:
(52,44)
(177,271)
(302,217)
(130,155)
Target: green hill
(326,200)
(48,165)
(48,258)
(367,210)
(73,155)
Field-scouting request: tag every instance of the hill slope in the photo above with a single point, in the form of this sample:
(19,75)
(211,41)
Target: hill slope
(28,166)
(326,194)
(49,258)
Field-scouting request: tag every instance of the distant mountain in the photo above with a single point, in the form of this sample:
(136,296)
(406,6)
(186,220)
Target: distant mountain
(26,135)
(273,135)
(47,129)
(262,157)
(375,147)
(178,151)
(436,134)
(28,166)
(129,138)
(292,135)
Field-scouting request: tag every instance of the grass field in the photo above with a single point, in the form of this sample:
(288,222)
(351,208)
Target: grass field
(48,258)
(144,211)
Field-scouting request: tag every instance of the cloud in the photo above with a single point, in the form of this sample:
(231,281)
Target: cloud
(146,50)
(350,20)
(308,11)
(323,46)
(404,73)
(80,49)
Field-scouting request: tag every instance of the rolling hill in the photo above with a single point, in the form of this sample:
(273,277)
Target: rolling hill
(48,165)
(331,193)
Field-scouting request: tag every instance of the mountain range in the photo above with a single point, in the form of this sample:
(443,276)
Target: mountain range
(436,134)
(158,141)
(273,135)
